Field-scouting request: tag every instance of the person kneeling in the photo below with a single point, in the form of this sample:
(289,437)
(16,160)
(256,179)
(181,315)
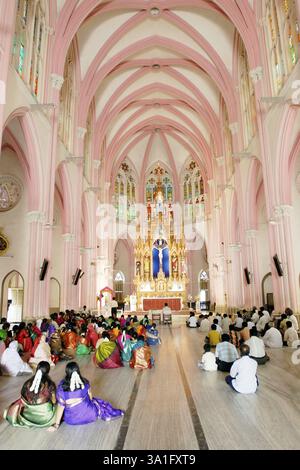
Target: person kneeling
(243,378)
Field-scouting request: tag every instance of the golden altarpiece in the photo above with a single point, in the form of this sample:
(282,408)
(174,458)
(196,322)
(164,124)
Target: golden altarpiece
(160,253)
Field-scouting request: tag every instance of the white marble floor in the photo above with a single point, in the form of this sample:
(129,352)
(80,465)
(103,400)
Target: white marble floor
(175,405)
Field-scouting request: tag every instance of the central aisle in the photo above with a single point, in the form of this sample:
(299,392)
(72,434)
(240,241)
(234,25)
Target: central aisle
(175,405)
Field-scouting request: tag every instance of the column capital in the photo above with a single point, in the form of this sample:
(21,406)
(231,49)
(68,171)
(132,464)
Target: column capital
(36,216)
(282,211)
(68,237)
(251,233)
(56,81)
(234,127)
(256,74)
(236,247)
(210,183)
(96,164)
(220,160)
(81,131)
(73,159)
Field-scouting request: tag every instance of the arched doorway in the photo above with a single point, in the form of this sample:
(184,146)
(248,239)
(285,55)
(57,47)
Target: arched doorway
(119,282)
(54,295)
(203,283)
(267,290)
(12,297)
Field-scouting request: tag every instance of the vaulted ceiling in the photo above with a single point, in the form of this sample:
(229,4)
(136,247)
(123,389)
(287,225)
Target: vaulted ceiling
(156,72)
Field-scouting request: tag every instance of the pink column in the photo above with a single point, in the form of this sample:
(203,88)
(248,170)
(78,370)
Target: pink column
(7,29)
(253,266)
(237,280)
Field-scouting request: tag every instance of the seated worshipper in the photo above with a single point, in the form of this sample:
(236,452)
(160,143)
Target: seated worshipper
(41,352)
(290,334)
(255,316)
(4,331)
(262,322)
(205,325)
(107,355)
(92,336)
(145,320)
(234,338)
(44,325)
(83,346)
(257,348)
(76,404)
(122,321)
(291,317)
(216,322)
(37,405)
(125,345)
(33,331)
(282,323)
(113,332)
(238,322)
(208,360)
(11,362)
(225,323)
(141,355)
(23,338)
(244,333)
(226,353)
(213,337)
(70,341)
(192,321)
(272,338)
(243,378)
(141,330)
(152,335)
(166,310)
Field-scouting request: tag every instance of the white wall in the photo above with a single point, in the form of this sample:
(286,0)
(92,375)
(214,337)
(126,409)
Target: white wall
(14,223)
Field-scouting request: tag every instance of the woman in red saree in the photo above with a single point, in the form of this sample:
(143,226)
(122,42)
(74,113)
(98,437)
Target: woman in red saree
(23,338)
(92,336)
(70,341)
(141,355)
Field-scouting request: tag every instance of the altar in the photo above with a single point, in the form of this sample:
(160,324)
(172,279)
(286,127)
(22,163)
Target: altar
(160,252)
(158,303)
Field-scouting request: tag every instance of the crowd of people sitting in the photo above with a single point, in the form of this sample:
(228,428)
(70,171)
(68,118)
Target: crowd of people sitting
(238,347)
(36,348)
(112,341)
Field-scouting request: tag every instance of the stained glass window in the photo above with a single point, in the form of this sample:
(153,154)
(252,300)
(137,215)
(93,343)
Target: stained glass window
(193,192)
(67,101)
(124,201)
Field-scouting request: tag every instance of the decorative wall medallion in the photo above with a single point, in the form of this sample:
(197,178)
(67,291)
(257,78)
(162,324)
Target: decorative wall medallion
(4,245)
(10,192)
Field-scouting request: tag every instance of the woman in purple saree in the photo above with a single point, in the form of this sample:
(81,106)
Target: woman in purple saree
(76,404)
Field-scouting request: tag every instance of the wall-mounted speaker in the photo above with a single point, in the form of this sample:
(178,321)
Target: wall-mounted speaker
(247,276)
(76,277)
(44,268)
(278,265)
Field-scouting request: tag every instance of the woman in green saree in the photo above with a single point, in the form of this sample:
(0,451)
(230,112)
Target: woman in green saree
(37,405)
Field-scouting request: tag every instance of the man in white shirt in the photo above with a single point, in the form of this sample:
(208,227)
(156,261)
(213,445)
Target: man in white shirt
(242,376)
(208,361)
(255,317)
(291,317)
(272,338)
(225,323)
(290,334)
(192,321)
(205,325)
(239,322)
(219,329)
(257,347)
(261,324)
(114,306)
